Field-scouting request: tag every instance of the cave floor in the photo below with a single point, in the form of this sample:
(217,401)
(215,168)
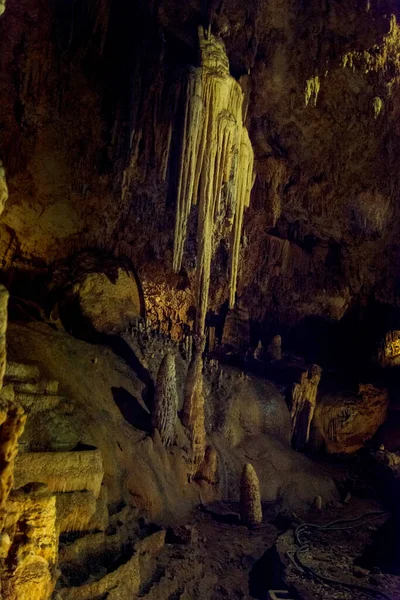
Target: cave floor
(224,559)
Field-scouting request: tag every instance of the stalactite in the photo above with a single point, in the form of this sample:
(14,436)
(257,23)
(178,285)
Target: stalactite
(303,403)
(311,92)
(216,169)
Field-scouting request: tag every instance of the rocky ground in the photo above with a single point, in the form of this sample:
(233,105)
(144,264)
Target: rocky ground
(213,556)
(209,555)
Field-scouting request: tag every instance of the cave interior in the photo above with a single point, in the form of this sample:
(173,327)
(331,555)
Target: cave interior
(199,299)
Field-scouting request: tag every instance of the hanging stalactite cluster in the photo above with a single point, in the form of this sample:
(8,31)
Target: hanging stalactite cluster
(216,169)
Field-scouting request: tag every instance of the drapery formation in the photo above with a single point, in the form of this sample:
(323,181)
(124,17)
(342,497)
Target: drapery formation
(216,168)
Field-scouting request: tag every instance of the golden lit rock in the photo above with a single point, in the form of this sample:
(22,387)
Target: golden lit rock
(344,422)
(28,573)
(3,182)
(389,352)
(216,170)
(303,403)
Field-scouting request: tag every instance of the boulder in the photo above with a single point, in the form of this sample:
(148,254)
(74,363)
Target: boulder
(98,303)
(344,422)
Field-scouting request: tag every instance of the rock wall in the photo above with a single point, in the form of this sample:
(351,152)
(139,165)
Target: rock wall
(86,151)
(344,422)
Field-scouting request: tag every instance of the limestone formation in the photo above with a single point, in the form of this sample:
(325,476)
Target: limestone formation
(317,504)
(3,182)
(344,422)
(259,351)
(311,92)
(61,471)
(3,329)
(75,511)
(303,403)
(236,332)
(120,584)
(208,470)
(97,303)
(29,571)
(389,350)
(193,409)
(250,500)
(216,170)
(165,408)
(12,422)
(275,348)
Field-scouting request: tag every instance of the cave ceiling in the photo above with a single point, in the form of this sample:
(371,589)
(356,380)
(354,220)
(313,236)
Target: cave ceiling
(92,103)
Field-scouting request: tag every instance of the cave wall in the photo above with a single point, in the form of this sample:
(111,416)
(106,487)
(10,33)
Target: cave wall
(91,125)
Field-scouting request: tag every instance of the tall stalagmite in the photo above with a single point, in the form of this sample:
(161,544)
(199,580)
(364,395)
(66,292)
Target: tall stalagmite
(250,499)
(166,401)
(216,170)
(193,408)
(303,403)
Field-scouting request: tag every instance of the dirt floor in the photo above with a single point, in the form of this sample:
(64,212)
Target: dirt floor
(212,556)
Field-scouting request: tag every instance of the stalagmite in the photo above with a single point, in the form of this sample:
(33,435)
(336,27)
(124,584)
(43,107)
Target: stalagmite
(216,169)
(275,348)
(304,399)
(250,501)
(208,470)
(166,401)
(317,504)
(193,409)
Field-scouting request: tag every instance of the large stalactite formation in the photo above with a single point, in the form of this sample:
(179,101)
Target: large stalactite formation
(216,168)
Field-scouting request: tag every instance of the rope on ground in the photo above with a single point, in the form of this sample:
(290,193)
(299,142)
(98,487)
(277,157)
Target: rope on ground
(341,524)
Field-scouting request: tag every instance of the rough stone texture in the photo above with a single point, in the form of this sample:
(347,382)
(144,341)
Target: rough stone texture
(303,402)
(28,573)
(106,306)
(164,413)
(3,182)
(75,511)
(322,224)
(22,372)
(12,422)
(249,407)
(121,584)
(250,501)
(208,470)
(193,410)
(3,330)
(343,423)
(61,471)
(236,333)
